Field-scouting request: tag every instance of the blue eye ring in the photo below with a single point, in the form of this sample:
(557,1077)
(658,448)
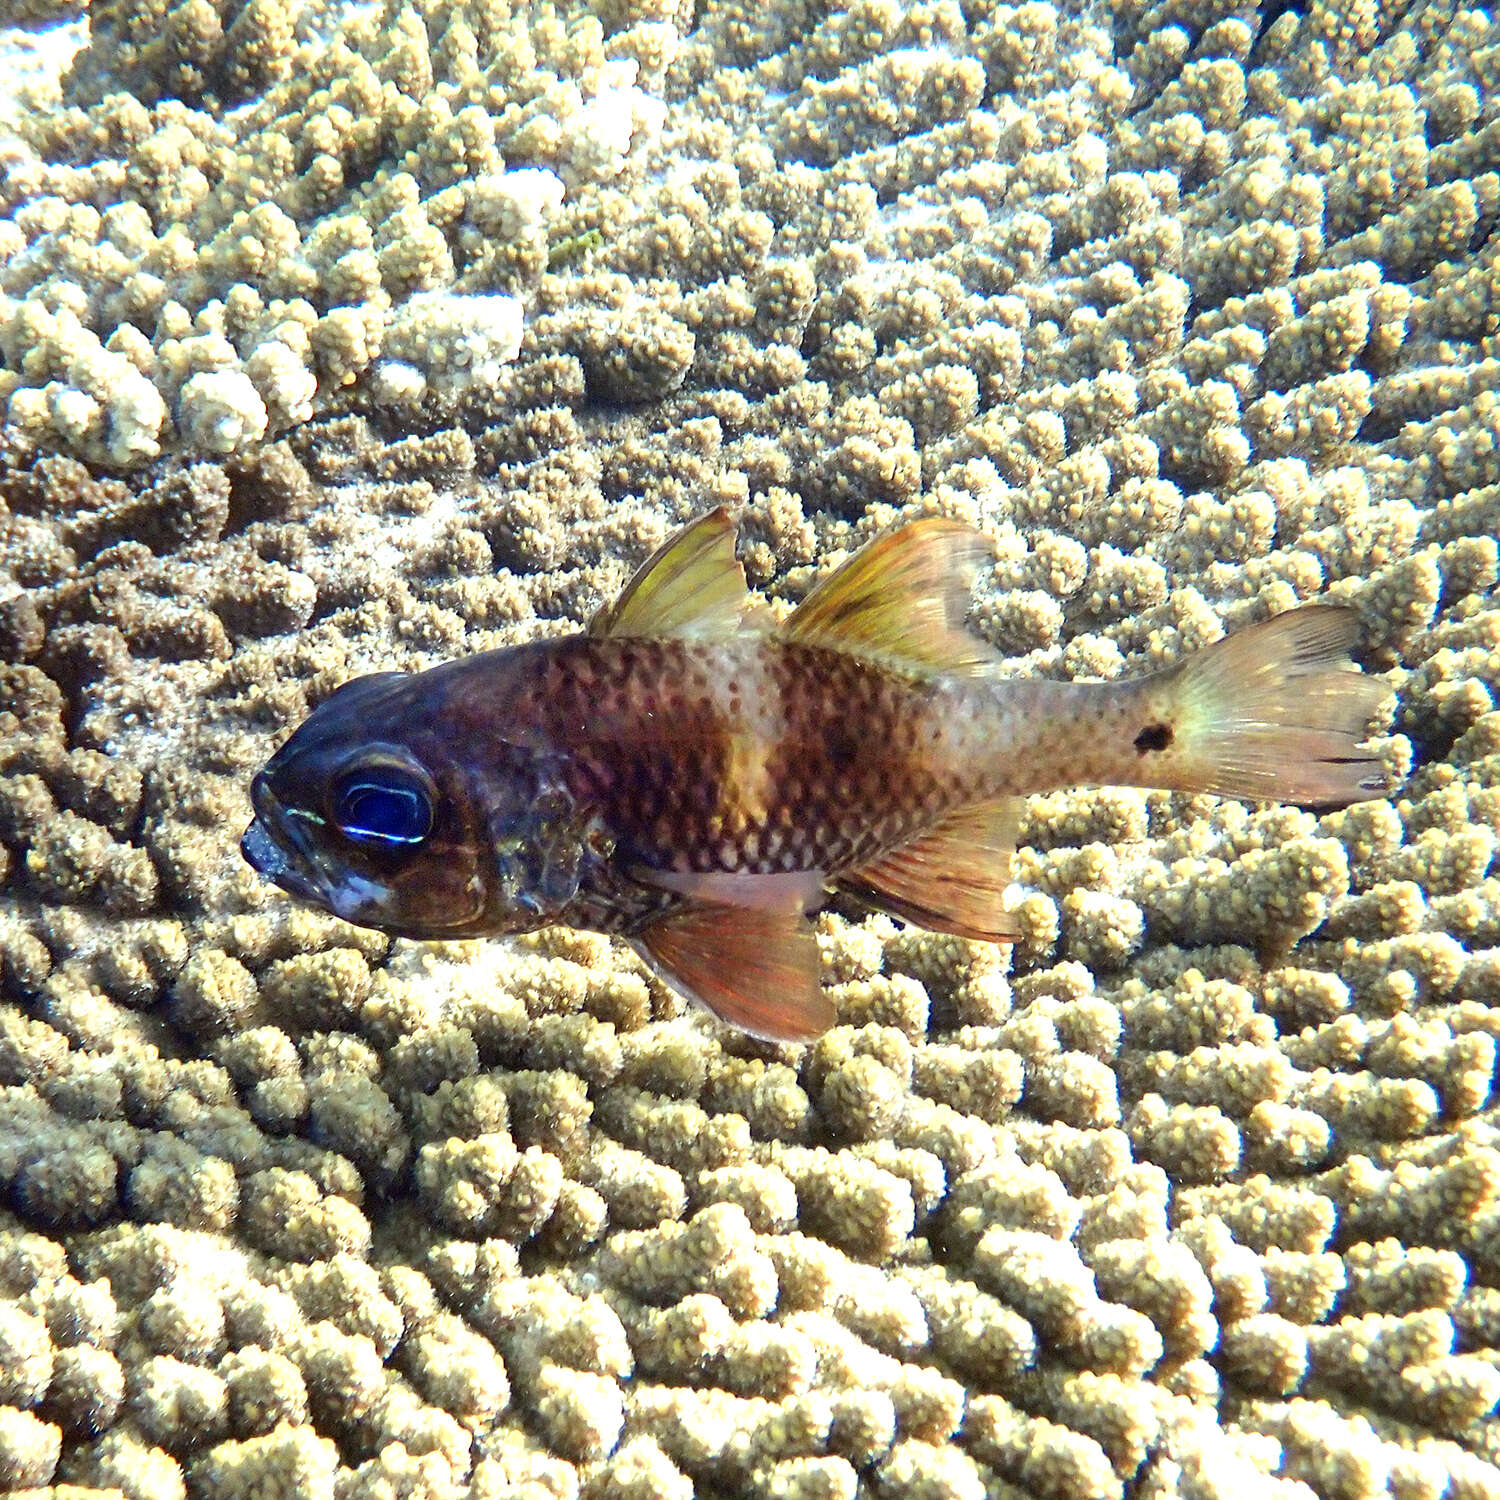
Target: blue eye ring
(385,806)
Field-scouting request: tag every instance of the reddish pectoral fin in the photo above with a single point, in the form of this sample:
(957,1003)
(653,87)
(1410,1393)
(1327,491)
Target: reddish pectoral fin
(752,967)
(952,878)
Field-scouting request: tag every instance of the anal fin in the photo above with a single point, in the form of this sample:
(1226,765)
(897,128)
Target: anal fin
(951,878)
(754,967)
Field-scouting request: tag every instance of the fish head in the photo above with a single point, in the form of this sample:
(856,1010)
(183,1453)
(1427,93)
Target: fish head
(367,812)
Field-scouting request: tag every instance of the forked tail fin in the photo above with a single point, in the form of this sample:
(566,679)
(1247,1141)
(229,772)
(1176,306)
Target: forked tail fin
(1274,712)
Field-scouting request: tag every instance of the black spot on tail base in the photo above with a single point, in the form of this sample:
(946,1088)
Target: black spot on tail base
(1153,737)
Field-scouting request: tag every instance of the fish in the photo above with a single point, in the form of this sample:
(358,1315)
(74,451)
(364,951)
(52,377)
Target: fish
(697,778)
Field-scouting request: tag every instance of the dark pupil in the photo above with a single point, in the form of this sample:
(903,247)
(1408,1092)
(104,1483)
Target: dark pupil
(383,807)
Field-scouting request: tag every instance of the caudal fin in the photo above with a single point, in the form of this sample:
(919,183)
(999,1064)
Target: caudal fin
(1274,713)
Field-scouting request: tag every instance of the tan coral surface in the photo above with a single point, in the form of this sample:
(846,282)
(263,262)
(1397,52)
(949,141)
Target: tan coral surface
(1194,307)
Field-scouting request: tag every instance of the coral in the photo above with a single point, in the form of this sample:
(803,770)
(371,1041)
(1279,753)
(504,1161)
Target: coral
(87,1389)
(29,1449)
(343,343)
(580,1414)
(291,1460)
(447,342)
(354,222)
(263,1390)
(28,1357)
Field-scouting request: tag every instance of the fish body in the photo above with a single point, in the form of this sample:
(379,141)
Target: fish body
(696,779)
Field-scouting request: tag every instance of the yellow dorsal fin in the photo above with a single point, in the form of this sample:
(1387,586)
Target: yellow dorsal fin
(692,586)
(902,599)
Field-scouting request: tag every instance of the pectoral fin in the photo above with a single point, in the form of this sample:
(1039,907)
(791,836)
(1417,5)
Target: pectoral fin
(953,877)
(692,586)
(754,968)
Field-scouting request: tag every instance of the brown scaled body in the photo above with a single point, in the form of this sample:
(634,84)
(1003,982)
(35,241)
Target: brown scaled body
(696,778)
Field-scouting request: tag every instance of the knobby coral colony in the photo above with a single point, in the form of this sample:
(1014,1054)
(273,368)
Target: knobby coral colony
(1189,307)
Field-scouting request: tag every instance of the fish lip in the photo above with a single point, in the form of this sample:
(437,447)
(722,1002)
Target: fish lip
(260,852)
(264,856)
(265,842)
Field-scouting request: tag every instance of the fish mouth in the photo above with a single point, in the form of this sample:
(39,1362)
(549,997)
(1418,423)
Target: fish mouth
(278,845)
(266,842)
(263,855)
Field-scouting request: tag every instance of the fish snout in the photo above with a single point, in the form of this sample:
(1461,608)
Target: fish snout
(270,848)
(270,861)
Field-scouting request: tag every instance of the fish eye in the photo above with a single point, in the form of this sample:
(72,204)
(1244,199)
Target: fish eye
(383,805)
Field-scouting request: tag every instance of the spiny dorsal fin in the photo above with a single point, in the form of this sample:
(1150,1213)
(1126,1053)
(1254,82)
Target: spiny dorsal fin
(692,586)
(951,878)
(755,968)
(902,600)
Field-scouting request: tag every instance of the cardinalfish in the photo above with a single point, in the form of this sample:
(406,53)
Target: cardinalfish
(696,778)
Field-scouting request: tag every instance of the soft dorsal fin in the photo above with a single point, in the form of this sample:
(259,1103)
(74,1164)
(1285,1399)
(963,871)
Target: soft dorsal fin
(902,600)
(691,586)
(951,878)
